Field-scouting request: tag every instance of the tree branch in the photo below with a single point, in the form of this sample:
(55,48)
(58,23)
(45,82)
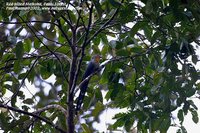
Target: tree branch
(52,106)
(28,57)
(23,80)
(33,21)
(52,52)
(33,115)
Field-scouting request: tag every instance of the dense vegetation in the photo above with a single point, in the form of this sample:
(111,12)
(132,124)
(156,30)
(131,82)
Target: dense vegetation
(148,65)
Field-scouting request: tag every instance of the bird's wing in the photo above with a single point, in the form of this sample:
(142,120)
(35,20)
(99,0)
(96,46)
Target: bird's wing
(89,70)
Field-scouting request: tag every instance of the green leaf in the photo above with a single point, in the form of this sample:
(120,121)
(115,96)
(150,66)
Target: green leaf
(180,116)
(191,92)
(149,7)
(192,104)
(119,123)
(107,96)
(120,45)
(45,73)
(158,78)
(115,90)
(137,49)
(3,89)
(63,49)
(128,124)
(183,130)
(96,49)
(31,75)
(13,101)
(96,40)
(138,64)
(165,124)
(128,13)
(104,39)
(148,31)
(161,123)
(4,120)
(17,66)
(21,75)
(155,37)
(85,128)
(72,15)
(4,14)
(98,7)
(98,95)
(7,56)
(136,28)
(28,101)
(97,109)
(22,13)
(122,52)
(36,44)
(195,117)
(27,45)
(19,50)
(105,50)
(194,59)
(23,118)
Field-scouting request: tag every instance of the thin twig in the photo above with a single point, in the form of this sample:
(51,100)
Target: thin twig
(28,57)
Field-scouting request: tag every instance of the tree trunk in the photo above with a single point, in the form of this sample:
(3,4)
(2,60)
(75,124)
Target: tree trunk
(70,119)
(70,96)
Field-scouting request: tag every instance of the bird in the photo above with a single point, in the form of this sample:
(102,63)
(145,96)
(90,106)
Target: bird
(91,68)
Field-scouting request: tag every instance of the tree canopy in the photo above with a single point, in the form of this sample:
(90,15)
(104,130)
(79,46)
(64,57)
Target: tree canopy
(149,57)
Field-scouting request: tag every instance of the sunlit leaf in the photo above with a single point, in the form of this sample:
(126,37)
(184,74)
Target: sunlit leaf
(85,128)
(97,109)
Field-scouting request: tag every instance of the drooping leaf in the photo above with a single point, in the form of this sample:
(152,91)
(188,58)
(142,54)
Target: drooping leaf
(195,117)
(19,51)
(180,116)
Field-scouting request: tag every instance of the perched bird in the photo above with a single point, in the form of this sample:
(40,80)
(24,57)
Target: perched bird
(92,67)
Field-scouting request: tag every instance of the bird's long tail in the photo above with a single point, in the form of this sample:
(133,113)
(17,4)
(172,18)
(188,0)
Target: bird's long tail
(81,96)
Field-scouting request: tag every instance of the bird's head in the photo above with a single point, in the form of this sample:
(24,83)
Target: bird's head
(96,58)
